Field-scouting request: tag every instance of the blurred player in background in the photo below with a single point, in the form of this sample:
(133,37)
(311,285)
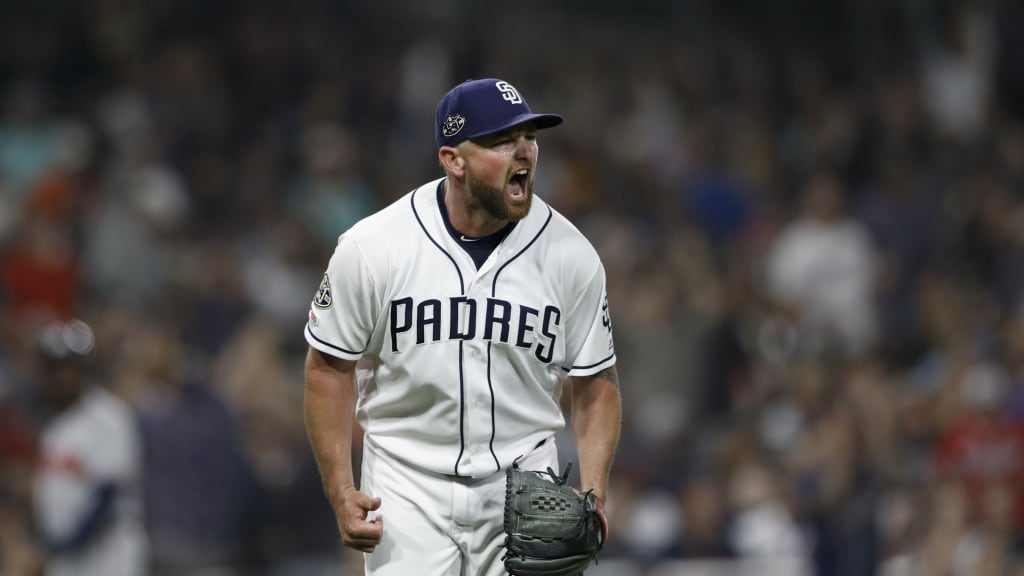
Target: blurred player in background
(87,498)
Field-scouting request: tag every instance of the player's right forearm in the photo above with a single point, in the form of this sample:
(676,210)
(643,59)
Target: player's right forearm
(329,404)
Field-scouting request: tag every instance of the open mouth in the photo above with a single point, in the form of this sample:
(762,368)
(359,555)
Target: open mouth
(517,185)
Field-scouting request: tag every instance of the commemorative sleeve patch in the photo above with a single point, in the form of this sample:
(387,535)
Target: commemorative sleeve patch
(323,299)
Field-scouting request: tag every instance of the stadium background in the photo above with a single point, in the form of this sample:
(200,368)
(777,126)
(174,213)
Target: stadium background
(811,214)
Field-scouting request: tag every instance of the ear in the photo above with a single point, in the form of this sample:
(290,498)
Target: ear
(452,161)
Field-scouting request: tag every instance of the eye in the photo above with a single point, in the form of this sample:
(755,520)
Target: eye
(503,143)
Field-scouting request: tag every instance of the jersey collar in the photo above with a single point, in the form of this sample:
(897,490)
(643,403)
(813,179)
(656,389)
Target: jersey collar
(426,203)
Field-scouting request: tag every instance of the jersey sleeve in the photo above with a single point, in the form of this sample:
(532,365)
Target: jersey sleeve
(341,315)
(591,347)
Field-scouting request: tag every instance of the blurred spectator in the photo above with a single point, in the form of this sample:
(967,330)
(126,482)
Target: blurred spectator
(330,193)
(297,527)
(199,490)
(958,58)
(215,307)
(40,273)
(705,520)
(837,489)
(129,231)
(763,515)
(763,521)
(28,137)
(901,519)
(954,543)
(712,191)
(277,271)
(981,448)
(19,553)
(821,271)
(648,528)
(653,355)
(990,238)
(87,491)
(900,210)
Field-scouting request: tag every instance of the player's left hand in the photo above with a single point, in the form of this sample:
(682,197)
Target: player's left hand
(551,529)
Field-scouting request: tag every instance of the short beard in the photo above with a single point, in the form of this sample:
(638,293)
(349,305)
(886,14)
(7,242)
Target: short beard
(494,201)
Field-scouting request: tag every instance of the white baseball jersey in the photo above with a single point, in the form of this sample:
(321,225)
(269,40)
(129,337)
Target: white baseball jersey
(462,368)
(93,442)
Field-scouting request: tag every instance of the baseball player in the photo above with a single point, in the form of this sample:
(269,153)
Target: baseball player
(87,499)
(447,324)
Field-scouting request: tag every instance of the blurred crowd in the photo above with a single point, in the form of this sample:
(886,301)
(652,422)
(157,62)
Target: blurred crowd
(811,215)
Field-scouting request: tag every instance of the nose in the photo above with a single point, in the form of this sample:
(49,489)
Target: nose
(526,148)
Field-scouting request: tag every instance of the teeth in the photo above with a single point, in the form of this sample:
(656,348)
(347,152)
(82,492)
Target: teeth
(521,172)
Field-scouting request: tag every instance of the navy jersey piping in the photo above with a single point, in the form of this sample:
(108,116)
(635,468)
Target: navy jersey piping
(329,345)
(602,361)
(462,408)
(494,284)
(490,387)
(494,290)
(462,292)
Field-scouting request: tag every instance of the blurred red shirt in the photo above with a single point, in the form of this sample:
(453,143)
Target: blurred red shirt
(984,451)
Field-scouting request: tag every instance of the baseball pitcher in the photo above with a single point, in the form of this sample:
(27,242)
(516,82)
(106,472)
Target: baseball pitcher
(448,325)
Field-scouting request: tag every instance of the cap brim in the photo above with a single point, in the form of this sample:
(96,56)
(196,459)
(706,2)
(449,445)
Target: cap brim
(540,121)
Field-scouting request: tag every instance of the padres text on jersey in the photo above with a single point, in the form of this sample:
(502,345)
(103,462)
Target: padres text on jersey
(461,368)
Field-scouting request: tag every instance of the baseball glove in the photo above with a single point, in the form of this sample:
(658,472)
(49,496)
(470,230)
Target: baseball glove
(550,528)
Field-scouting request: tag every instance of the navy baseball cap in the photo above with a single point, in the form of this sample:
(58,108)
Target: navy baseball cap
(479,107)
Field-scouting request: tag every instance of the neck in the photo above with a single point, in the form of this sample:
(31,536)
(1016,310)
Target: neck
(466,215)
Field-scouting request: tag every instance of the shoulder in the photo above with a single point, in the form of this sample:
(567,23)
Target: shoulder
(108,407)
(98,413)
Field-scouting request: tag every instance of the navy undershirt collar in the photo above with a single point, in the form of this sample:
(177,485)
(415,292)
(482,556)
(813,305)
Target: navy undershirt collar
(477,248)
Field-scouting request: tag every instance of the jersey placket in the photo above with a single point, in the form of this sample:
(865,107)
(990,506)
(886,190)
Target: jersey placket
(478,410)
